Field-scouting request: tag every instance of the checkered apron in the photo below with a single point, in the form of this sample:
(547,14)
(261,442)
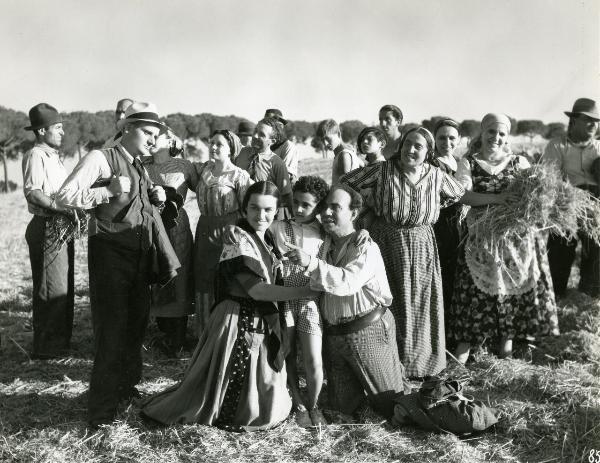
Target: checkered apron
(413,269)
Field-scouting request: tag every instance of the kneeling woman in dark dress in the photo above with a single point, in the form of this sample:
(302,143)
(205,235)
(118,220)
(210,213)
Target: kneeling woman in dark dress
(237,377)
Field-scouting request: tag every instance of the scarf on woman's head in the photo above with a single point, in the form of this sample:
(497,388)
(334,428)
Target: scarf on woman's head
(446,122)
(425,134)
(234,142)
(495,118)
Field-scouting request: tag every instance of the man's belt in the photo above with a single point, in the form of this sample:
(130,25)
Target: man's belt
(357,324)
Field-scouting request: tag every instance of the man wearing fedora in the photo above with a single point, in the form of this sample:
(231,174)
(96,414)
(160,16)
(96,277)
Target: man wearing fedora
(285,148)
(245,131)
(51,265)
(576,154)
(113,183)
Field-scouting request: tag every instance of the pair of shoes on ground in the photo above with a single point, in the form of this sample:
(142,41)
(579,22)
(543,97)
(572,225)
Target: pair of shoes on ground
(309,418)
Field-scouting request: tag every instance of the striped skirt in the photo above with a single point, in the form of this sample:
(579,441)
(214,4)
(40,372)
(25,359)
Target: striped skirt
(412,265)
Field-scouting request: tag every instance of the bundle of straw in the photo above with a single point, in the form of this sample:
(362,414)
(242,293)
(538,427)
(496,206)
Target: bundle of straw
(547,203)
(63,228)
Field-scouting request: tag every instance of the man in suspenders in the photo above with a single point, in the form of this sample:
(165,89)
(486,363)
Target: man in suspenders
(113,184)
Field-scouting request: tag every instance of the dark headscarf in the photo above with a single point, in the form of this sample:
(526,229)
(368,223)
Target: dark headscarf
(235,145)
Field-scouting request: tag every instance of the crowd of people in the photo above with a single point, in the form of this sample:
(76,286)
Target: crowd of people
(375,277)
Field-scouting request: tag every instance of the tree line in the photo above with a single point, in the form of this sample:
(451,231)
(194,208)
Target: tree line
(85,130)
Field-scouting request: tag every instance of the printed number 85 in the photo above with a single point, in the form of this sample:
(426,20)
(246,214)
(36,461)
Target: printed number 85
(594,456)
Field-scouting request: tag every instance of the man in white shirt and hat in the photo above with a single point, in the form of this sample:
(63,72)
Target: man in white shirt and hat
(123,236)
(51,262)
(577,155)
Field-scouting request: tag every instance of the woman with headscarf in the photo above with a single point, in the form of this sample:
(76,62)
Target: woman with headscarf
(406,194)
(220,191)
(488,303)
(447,138)
(172,303)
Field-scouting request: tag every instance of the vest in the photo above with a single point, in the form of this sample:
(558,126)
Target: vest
(126,220)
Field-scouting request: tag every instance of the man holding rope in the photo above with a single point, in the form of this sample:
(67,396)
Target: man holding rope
(51,262)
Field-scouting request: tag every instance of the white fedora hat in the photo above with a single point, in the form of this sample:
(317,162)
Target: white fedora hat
(140,111)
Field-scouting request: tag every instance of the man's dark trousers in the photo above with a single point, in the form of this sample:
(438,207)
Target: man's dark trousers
(53,289)
(120,303)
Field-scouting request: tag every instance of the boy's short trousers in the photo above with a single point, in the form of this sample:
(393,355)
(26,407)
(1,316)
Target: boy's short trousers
(304,315)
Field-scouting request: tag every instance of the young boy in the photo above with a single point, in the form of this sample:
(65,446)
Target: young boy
(302,316)
(371,142)
(345,158)
(390,120)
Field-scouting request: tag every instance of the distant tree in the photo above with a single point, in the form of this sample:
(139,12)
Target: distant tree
(470,128)
(302,130)
(350,130)
(429,124)
(176,122)
(319,147)
(84,130)
(530,128)
(408,126)
(13,139)
(554,130)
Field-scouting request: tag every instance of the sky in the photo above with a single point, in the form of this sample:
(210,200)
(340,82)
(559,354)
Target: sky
(313,59)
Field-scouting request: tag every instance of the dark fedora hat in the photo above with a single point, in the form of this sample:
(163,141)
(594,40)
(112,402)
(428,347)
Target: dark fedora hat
(43,115)
(245,128)
(276,114)
(584,106)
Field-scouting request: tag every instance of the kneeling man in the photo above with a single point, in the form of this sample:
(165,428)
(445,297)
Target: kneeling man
(361,355)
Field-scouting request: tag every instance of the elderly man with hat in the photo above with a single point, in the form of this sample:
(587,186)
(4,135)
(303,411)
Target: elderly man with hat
(51,264)
(125,235)
(245,131)
(577,155)
(285,148)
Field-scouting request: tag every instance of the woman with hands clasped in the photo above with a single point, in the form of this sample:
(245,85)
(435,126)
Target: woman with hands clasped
(488,302)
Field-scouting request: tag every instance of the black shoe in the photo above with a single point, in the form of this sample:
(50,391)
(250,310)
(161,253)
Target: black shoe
(94,425)
(129,394)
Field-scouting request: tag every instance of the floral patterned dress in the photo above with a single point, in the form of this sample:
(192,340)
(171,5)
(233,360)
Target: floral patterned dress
(483,310)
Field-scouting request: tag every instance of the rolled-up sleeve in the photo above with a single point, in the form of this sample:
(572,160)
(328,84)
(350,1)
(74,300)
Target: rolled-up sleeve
(33,172)
(77,191)
(343,281)
(363,178)
(463,174)
(451,190)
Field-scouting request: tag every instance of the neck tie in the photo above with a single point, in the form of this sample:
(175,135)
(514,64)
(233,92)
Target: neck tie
(139,167)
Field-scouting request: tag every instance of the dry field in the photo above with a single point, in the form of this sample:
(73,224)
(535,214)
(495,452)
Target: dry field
(549,396)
